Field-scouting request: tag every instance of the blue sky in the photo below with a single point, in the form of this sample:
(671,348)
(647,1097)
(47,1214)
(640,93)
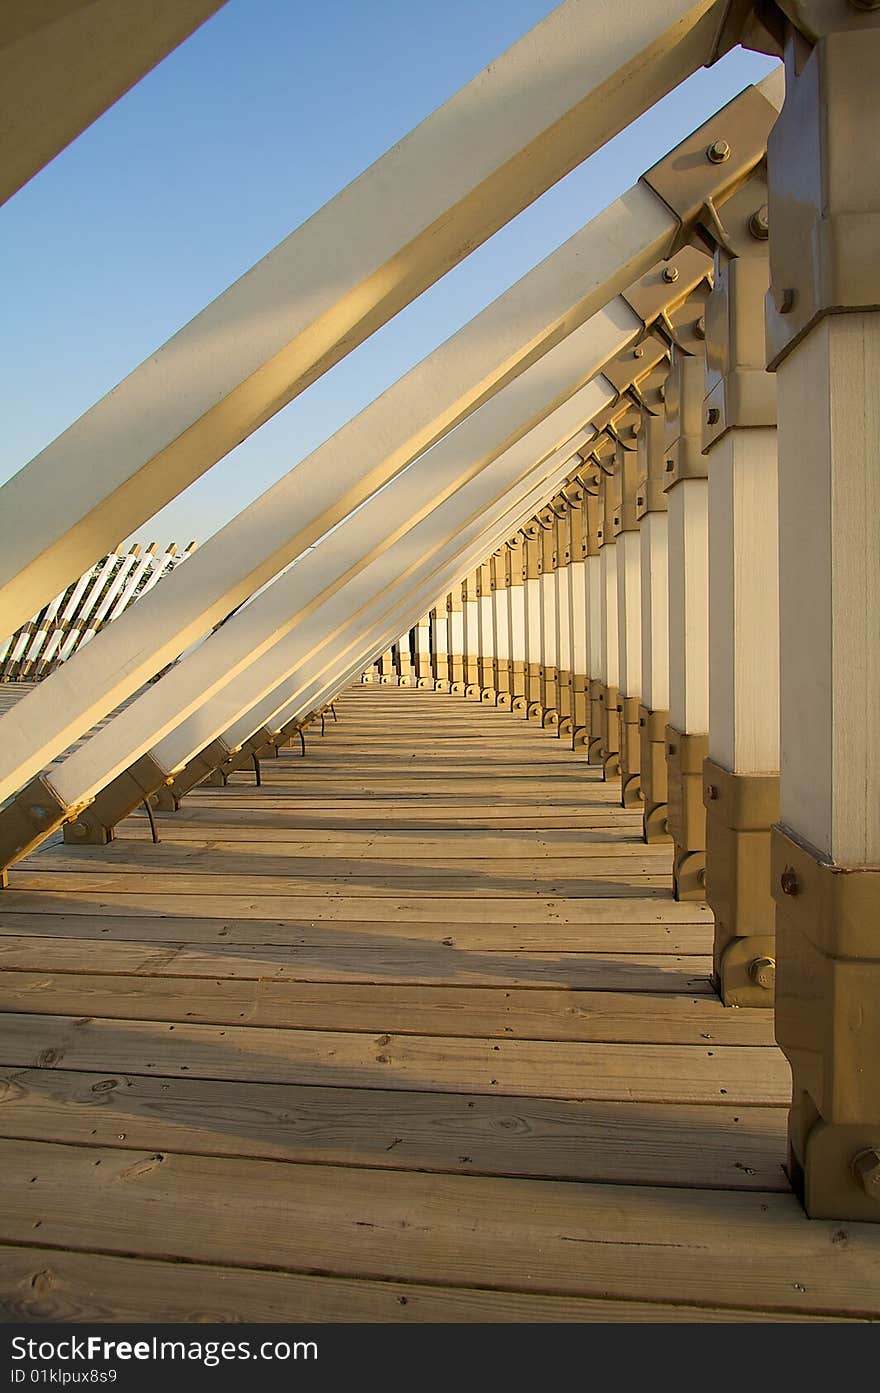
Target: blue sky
(235,139)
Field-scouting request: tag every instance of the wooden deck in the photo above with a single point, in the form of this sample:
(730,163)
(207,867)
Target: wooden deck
(414,1031)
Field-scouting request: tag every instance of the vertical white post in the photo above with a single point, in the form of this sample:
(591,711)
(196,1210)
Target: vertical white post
(471,613)
(440,629)
(455,614)
(549,620)
(563,614)
(594,529)
(687,491)
(629,615)
(424,677)
(654,576)
(824,344)
(486,603)
(534,620)
(741,773)
(518,638)
(579,615)
(609,653)
(501,624)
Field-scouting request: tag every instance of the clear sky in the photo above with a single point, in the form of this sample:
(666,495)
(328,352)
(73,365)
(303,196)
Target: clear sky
(236,138)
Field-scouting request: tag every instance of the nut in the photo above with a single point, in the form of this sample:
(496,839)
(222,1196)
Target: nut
(670,274)
(789,882)
(866,1169)
(759,224)
(718,152)
(762,972)
(713,416)
(784,300)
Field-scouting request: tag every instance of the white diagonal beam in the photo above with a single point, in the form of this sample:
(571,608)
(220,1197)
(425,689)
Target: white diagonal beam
(618,246)
(501,428)
(64,62)
(569,85)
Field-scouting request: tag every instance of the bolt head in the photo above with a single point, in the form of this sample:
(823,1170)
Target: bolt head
(789,882)
(713,416)
(712,791)
(784,300)
(759,223)
(866,1169)
(762,971)
(718,152)
(670,274)
(700,327)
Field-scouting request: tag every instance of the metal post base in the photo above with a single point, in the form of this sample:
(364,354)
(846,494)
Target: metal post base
(27,820)
(630,753)
(685,754)
(740,810)
(653,775)
(828,1024)
(94,826)
(610,733)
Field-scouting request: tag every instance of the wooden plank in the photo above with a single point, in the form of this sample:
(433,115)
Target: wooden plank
(311,841)
(200,846)
(626,1143)
(622,1017)
(272,890)
(330,934)
(675,1245)
(528,1068)
(391,910)
(49,1284)
(414,964)
(234,808)
(139,860)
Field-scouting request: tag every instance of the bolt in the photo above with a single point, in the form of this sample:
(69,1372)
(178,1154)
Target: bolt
(670,465)
(789,881)
(670,274)
(762,972)
(638,353)
(661,391)
(713,416)
(712,791)
(759,224)
(718,152)
(700,327)
(866,1169)
(639,501)
(784,300)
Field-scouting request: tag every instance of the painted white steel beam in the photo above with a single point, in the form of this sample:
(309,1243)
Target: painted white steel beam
(552,99)
(621,244)
(359,618)
(64,62)
(368,631)
(382,440)
(459,479)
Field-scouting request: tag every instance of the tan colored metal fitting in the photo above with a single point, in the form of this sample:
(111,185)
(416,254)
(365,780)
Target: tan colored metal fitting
(824,204)
(712,163)
(94,825)
(866,1169)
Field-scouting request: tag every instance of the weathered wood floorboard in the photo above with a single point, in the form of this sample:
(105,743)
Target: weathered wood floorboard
(380,1040)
